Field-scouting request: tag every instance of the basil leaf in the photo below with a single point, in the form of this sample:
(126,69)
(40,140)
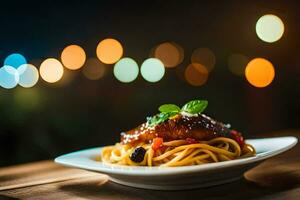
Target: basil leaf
(159,118)
(163,117)
(156,119)
(168,108)
(171,114)
(152,121)
(195,106)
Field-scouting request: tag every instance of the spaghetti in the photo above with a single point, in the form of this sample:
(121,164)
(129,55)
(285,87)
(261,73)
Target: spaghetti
(178,153)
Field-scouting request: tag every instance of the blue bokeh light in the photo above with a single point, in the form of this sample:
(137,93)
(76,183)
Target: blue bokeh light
(9,77)
(15,60)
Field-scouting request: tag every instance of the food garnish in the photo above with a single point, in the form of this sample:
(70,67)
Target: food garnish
(167,111)
(138,155)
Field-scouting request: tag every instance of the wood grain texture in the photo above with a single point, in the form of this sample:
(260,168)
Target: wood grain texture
(36,174)
(276,178)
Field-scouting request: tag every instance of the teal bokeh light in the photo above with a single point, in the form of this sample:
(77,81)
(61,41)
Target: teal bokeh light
(15,60)
(152,70)
(9,77)
(28,75)
(126,70)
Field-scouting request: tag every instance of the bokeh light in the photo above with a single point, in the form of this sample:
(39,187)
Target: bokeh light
(126,70)
(51,70)
(196,74)
(28,75)
(15,60)
(237,64)
(260,72)
(9,77)
(269,28)
(109,51)
(181,52)
(171,54)
(73,57)
(93,69)
(205,57)
(152,70)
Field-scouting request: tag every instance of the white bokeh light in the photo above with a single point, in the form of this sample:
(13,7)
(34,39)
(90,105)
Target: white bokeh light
(29,75)
(126,70)
(269,28)
(152,70)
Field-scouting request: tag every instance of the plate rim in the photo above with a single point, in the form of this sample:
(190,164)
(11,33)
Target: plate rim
(156,170)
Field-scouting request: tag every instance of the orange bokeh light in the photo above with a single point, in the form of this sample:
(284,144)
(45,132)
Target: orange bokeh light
(73,57)
(260,72)
(205,57)
(170,54)
(196,74)
(109,51)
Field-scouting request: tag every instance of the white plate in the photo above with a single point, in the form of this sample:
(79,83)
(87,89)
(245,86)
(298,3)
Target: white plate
(175,178)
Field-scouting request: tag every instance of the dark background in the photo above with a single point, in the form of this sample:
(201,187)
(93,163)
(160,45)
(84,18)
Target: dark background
(47,120)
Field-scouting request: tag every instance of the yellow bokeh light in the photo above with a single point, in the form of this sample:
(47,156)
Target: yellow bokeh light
(196,74)
(269,28)
(93,69)
(109,51)
(205,57)
(171,54)
(73,57)
(51,70)
(260,72)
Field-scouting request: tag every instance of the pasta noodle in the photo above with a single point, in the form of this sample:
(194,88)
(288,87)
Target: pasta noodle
(178,153)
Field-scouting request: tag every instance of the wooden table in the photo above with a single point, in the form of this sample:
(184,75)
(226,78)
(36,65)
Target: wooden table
(276,178)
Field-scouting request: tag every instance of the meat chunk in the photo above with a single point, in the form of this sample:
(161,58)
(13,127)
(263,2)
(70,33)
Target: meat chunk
(199,127)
